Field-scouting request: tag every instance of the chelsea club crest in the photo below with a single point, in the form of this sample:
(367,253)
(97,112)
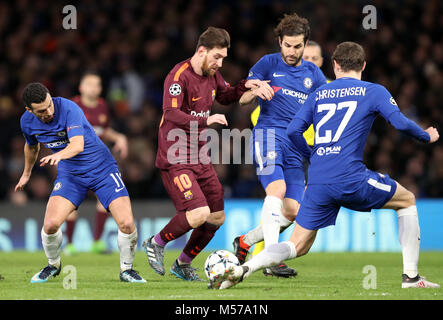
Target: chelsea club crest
(307,82)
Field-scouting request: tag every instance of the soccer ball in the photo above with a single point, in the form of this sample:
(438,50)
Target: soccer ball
(218,262)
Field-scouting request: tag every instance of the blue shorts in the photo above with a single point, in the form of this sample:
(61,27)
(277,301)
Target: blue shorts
(321,202)
(107,186)
(276,158)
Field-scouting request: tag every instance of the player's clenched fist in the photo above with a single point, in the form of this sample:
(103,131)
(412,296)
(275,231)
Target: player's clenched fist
(217,118)
(433,133)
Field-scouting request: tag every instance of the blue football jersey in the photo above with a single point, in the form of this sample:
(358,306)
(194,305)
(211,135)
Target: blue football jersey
(343,112)
(292,86)
(69,121)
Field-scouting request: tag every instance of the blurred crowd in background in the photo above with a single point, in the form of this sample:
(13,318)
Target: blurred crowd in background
(134,44)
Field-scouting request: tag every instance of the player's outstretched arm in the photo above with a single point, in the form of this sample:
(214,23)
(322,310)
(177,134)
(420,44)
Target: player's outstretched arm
(75,146)
(388,109)
(227,94)
(31,154)
(403,124)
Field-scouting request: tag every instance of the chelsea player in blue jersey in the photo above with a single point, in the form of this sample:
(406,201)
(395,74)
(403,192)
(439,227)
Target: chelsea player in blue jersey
(279,163)
(342,113)
(83,163)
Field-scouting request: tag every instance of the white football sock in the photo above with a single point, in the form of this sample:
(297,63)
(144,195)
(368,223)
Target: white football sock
(271,256)
(52,245)
(409,236)
(271,214)
(256,235)
(127,243)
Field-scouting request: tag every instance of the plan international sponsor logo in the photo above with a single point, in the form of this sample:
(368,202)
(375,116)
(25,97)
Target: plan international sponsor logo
(328,150)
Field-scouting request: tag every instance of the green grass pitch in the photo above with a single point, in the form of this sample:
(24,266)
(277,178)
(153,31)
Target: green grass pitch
(321,276)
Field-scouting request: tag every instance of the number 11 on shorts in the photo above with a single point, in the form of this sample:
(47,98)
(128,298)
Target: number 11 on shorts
(118,180)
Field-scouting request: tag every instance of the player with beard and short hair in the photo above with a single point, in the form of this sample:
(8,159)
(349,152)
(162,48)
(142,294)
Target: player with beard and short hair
(313,54)
(279,164)
(190,89)
(96,111)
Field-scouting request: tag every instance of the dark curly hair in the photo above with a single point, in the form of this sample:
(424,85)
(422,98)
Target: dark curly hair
(293,25)
(34,92)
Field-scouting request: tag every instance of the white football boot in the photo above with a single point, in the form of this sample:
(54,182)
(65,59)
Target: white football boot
(234,275)
(417,282)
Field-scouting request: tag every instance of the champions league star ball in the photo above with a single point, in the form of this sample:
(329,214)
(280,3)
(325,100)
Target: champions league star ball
(218,262)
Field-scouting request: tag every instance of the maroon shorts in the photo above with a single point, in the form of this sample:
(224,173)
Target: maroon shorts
(191,187)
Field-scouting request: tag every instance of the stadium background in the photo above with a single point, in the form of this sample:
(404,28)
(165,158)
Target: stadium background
(134,44)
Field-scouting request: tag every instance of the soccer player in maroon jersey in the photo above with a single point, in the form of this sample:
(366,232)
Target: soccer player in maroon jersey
(96,111)
(190,89)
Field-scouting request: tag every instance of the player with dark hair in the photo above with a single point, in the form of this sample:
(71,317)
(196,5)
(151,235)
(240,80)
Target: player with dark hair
(343,112)
(96,112)
(279,164)
(313,54)
(190,89)
(83,163)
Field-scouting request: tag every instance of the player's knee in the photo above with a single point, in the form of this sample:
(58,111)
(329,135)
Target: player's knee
(409,199)
(51,226)
(276,189)
(198,216)
(217,218)
(126,225)
(220,220)
(278,193)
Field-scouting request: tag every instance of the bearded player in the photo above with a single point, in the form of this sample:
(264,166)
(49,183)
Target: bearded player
(279,164)
(313,54)
(96,111)
(191,181)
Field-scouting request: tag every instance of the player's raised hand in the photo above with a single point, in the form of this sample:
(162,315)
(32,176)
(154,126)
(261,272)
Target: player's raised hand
(52,159)
(217,118)
(433,133)
(24,179)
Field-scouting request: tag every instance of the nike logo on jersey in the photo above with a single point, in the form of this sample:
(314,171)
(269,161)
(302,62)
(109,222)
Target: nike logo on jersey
(119,189)
(196,99)
(276,75)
